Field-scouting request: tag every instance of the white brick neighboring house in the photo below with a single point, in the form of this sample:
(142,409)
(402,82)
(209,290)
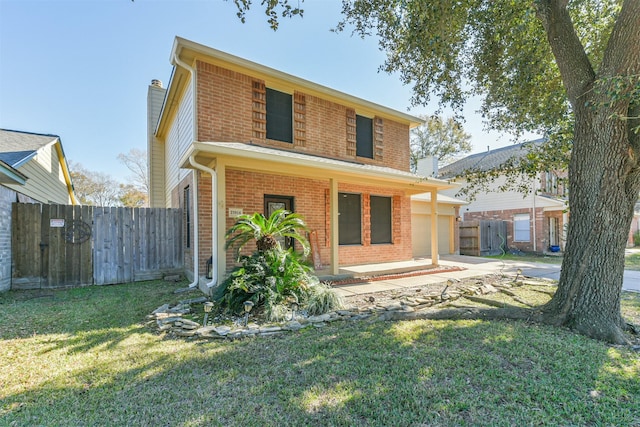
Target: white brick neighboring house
(536,221)
(33,169)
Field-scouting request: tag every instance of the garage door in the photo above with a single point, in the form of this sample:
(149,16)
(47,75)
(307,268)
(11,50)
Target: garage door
(421,234)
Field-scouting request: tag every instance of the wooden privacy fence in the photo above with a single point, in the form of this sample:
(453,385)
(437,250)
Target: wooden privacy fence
(480,238)
(64,246)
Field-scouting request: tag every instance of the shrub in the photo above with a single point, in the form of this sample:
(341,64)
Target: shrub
(636,238)
(267,279)
(273,277)
(321,298)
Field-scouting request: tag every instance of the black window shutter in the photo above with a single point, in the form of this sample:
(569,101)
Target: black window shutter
(349,223)
(279,116)
(364,137)
(381,219)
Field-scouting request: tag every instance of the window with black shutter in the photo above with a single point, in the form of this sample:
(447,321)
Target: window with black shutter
(364,137)
(279,116)
(380,219)
(349,223)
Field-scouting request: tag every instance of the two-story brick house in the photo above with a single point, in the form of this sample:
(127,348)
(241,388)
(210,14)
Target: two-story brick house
(229,136)
(535,221)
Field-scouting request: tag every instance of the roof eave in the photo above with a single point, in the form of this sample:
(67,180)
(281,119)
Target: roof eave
(10,175)
(189,51)
(413,184)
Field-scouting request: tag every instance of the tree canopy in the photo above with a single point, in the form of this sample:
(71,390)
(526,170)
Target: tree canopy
(444,139)
(554,67)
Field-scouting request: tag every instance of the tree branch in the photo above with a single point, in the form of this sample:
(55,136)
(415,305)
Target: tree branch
(574,65)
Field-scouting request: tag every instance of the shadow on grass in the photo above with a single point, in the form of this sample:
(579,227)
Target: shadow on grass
(82,318)
(349,373)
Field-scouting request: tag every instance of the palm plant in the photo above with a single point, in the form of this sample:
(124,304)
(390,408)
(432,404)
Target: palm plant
(265,231)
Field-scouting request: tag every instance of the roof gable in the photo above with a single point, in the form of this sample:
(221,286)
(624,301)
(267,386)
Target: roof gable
(17,147)
(187,52)
(488,160)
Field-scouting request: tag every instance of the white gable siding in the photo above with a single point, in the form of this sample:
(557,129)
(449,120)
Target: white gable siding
(45,179)
(495,200)
(179,138)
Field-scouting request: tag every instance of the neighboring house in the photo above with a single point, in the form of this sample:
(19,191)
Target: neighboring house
(635,225)
(32,169)
(256,139)
(536,221)
(40,158)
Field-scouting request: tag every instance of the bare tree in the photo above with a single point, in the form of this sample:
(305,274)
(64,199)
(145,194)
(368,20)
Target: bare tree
(443,139)
(94,188)
(136,161)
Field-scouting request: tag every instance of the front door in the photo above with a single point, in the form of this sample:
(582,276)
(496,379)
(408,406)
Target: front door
(553,231)
(272,204)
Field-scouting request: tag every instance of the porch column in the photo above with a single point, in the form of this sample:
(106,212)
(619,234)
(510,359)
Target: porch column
(333,220)
(220,205)
(452,234)
(434,227)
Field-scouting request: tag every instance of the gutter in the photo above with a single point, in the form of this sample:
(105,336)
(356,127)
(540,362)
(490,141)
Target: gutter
(214,211)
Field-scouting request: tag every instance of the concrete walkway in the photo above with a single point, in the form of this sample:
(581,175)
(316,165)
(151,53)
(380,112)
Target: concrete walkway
(472,267)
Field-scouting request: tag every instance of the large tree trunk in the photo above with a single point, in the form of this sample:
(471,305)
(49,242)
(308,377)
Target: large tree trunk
(601,199)
(604,171)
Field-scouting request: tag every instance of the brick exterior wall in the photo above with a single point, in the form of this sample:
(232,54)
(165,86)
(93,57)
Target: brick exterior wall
(177,199)
(246,190)
(635,228)
(541,226)
(230,109)
(7,197)
(225,113)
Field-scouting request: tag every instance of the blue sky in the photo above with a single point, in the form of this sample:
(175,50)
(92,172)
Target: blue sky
(80,69)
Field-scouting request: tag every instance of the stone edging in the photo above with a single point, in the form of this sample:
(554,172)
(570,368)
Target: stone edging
(170,319)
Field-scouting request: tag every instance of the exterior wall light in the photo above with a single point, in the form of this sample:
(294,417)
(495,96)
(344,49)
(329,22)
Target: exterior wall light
(248,305)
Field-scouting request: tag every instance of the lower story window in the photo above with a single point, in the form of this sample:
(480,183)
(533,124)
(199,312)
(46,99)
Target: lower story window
(522,228)
(349,224)
(380,219)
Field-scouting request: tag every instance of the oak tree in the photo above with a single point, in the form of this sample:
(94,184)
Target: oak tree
(538,66)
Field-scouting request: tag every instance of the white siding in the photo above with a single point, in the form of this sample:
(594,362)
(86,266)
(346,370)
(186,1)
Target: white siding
(494,200)
(45,181)
(179,139)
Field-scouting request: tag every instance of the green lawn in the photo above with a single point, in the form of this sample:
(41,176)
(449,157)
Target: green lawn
(632,262)
(85,357)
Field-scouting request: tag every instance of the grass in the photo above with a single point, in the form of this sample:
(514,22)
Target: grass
(85,357)
(632,261)
(528,258)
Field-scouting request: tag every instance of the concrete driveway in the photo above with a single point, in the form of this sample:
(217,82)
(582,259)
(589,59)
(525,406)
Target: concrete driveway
(631,281)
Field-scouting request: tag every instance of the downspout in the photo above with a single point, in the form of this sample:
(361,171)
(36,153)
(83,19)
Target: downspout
(214,221)
(196,270)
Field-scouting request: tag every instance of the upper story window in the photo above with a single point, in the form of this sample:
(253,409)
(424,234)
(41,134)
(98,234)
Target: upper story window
(364,137)
(279,116)
(551,183)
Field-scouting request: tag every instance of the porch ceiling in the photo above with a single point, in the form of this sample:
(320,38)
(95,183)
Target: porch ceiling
(274,161)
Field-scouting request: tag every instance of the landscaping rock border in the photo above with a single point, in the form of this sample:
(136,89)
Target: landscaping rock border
(171,320)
